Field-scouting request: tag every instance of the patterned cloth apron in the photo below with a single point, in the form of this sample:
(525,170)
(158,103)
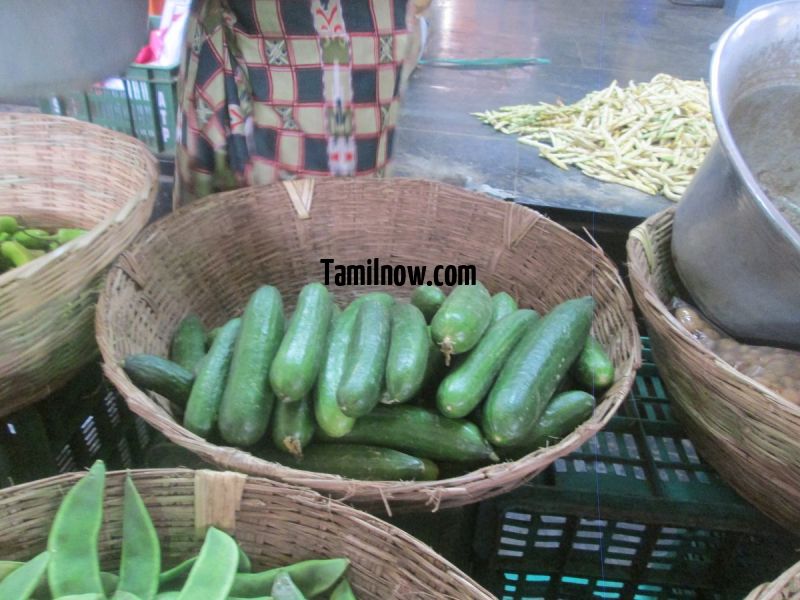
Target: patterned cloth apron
(278,89)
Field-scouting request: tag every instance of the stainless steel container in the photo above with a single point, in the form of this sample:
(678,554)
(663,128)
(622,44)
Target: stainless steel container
(737,255)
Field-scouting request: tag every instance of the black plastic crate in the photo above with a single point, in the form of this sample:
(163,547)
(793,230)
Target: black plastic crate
(84,421)
(634,513)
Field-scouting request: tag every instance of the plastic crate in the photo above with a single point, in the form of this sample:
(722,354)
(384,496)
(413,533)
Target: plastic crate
(634,513)
(69,430)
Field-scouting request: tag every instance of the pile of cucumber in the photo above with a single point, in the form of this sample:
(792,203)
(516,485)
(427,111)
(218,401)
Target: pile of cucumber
(384,389)
(20,245)
(70,567)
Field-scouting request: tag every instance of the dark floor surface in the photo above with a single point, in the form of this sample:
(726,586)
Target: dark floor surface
(590,43)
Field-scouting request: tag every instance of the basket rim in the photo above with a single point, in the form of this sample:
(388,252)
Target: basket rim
(641,274)
(74,247)
(435,492)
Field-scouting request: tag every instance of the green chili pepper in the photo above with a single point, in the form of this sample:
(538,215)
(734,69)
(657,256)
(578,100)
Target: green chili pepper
(343,591)
(35,239)
(4,235)
(22,583)
(67,235)
(313,577)
(8,225)
(74,564)
(15,253)
(141,553)
(212,575)
(285,589)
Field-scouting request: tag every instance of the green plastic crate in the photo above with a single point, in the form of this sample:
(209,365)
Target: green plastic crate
(634,513)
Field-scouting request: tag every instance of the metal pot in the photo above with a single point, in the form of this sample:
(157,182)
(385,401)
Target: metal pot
(738,257)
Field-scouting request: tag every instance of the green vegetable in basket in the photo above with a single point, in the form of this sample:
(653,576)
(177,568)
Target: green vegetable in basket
(462,320)
(63,236)
(189,343)
(8,224)
(21,584)
(74,562)
(212,575)
(428,299)
(285,589)
(15,253)
(312,577)
(34,239)
(141,553)
(343,591)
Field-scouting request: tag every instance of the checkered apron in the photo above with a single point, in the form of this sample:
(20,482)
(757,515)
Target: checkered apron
(278,89)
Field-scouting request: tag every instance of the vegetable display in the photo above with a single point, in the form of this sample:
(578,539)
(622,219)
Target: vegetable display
(383,395)
(70,567)
(650,136)
(20,245)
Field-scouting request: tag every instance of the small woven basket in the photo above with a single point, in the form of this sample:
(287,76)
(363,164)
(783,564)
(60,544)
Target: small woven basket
(58,172)
(275,524)
(208,257)
(785,587)
(747,432)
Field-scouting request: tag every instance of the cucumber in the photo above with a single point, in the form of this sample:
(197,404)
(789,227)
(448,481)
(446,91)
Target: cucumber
(189,343)
(329,416)
(464,388)
(299,357)
(355,461)
(247,402)
(362,381)
(386,299)
(408,353)
(428,298)
(420,432)
(593,370)
(434,371)
(159,375)
(209,384)
(293,426)
(566,411)
(533,371)
(461,321)
(502,305)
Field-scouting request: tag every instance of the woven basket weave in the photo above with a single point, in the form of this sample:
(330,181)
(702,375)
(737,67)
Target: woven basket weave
(209,257)
(750,434)
(785,587)
(275,524)
(58,172)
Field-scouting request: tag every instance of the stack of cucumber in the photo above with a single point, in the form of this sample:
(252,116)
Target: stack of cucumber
(384,389)
(20,245)
(70,567)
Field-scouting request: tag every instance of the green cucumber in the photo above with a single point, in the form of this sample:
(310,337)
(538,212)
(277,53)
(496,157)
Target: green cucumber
(362,381)
(408,353)
(293,426)
(159,375)
(434,371)
(566,411)
(420,432)
(189,343)
(296,366)
(503,305)
(533,371)
(247,402)
(329,416)
(594,369)
(368,463)
(386,299)
(209,385)
(464,388)
(461,321)
(429,299)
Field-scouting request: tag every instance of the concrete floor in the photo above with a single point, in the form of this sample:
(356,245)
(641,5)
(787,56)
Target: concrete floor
(590,43)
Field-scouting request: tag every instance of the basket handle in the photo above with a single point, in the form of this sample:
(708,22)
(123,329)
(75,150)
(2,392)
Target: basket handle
(217,498)
(301,193)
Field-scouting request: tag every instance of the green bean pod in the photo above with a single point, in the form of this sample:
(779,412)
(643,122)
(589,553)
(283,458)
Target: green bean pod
(312,577)
(212,575)
(343,591)
(73,541)
(141,553)
(21,584)
(285,589)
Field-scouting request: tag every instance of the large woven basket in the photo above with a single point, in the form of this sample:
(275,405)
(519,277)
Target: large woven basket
(208,258)
(275,524)
(750,434)
(58,172)
(785,587)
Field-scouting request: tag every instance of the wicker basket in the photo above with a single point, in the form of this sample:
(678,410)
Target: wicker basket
(785,587)
(276,525)
(747,432)
(208,258)
(57,172)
